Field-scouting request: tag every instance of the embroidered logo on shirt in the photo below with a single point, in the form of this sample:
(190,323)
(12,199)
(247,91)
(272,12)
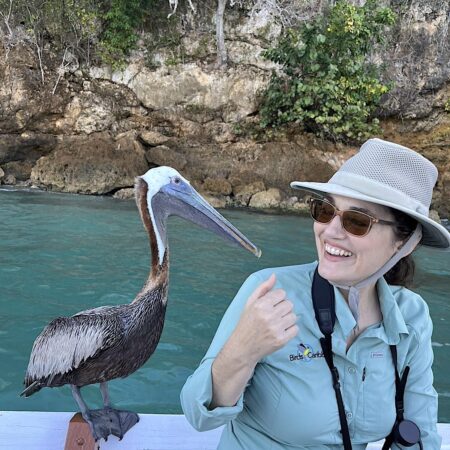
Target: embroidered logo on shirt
(377,355)
(305,353)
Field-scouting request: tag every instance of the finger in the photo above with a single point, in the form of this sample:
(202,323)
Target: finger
(276,296)
(289,320)
(291,332)
(264,287)
(283,307)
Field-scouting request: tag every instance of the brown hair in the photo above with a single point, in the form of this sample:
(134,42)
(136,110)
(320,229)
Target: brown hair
(402,273)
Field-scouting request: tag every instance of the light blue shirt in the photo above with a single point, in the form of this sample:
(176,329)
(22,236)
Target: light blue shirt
(289,403)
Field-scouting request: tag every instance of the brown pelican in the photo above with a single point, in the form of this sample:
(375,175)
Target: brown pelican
(98,345)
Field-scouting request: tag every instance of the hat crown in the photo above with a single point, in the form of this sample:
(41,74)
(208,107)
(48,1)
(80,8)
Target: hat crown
(391,166)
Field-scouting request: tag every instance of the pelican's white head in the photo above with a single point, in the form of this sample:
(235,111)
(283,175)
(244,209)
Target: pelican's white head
(159,177)
(168,193)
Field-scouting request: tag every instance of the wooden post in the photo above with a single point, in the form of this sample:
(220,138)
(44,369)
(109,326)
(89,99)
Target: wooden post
(79,436)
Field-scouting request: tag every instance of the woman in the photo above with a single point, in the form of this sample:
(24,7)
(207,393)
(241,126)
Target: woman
(265,376)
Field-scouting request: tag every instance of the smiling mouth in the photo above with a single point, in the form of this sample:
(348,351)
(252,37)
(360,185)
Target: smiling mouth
(334,251)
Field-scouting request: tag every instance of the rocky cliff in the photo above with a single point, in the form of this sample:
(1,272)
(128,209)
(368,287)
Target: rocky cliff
(91,130)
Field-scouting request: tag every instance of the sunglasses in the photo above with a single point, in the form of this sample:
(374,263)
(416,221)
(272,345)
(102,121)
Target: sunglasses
(356,223)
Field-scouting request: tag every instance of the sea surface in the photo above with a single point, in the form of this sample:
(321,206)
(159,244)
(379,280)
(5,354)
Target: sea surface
(60,254)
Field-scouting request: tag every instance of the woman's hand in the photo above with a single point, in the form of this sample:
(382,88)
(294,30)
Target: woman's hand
(267,323)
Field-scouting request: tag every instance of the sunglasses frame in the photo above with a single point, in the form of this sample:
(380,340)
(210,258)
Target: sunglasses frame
(338,212)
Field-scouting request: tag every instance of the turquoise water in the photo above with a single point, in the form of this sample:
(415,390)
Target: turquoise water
(62,253)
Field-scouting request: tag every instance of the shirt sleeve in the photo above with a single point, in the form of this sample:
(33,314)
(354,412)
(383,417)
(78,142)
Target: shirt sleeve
(421,400)
(196,394)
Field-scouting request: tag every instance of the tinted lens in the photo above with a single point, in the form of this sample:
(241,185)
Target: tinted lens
(356,223)
(321,211)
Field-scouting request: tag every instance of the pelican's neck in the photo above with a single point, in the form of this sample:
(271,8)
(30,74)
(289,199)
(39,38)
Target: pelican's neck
(157,235)
(155,224)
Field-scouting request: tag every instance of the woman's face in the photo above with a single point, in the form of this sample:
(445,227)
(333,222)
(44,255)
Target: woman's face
(362,255)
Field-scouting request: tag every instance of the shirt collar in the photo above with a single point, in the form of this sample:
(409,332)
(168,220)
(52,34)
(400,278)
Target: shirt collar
(393,322)
(343,314)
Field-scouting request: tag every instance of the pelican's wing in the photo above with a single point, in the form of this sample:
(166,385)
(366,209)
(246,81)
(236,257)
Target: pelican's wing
(68,341)
(104,310)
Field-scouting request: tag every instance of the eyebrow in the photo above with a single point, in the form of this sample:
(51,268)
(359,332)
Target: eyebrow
(330,199)
(364,210)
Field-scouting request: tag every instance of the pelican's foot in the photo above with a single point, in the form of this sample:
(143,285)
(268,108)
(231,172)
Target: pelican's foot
(121,421)
(100,423)
(107,421)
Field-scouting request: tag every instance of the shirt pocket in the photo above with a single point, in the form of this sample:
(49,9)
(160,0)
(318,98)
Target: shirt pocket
(378,396)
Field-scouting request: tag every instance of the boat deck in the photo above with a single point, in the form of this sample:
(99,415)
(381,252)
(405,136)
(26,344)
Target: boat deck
(20,430)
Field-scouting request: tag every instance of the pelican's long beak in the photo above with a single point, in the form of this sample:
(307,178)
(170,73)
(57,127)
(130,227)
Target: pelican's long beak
(187,203)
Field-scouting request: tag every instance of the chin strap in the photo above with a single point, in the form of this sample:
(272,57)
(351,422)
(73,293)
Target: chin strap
(406,249)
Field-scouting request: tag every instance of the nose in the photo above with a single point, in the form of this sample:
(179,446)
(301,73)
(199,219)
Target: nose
(334,228)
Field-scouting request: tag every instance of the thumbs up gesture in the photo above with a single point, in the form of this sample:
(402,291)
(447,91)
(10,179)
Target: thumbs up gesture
(267,322)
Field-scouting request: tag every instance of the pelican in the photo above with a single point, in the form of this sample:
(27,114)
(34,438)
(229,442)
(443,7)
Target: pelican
(104,343)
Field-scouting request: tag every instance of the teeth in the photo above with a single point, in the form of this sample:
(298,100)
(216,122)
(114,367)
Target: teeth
(336,251)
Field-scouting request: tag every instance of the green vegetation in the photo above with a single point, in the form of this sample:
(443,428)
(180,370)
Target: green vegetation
(165,35)
(105,29)
(326,83)
(121,19)
(447,106)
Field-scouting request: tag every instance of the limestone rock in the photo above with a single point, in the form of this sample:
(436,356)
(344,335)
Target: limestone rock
(243,193)
(246,53)
(165,156)
(95,164)
(233,91)
(220,132)
(25,102)
(86,113)
(301,207)
(215,201)
(217,186)
(266,199)
(153,138)
(9,179)
(2,174)
(434,215)
(251,188)
(20,169)
(28,146)
(418,64)
(124,194)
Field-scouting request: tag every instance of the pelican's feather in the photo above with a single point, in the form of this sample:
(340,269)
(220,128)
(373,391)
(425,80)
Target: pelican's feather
(73,339)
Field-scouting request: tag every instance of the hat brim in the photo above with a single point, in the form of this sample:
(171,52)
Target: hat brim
(434,235)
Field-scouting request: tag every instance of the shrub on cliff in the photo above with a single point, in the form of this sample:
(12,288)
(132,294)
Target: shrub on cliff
(326,82)
(121,21)
(84,28)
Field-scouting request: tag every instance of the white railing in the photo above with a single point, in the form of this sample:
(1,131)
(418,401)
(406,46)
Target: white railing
(25,430)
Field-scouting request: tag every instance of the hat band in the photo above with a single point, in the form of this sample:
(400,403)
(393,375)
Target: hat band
(377,190)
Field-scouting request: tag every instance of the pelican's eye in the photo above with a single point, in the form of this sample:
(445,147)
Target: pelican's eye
(177,180)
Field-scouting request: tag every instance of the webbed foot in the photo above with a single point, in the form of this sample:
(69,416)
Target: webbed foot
(99,423)
(107,421)
(124,421)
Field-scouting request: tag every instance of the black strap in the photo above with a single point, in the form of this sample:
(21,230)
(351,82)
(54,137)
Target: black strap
(400,384)
(324,308)
(324,303)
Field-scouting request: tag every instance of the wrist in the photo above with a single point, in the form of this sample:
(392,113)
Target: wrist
(239,353)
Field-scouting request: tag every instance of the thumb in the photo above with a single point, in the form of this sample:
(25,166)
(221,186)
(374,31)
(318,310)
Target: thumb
(264,287)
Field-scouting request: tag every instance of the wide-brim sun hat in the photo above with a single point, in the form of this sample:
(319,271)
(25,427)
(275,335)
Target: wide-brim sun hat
(391,175)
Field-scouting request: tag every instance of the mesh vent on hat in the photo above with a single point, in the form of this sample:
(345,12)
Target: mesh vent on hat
(395,166)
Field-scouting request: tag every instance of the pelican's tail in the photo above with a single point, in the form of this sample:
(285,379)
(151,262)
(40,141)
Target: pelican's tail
(32,388)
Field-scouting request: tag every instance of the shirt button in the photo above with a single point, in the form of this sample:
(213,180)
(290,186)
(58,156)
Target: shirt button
(351,370)
(349,415)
